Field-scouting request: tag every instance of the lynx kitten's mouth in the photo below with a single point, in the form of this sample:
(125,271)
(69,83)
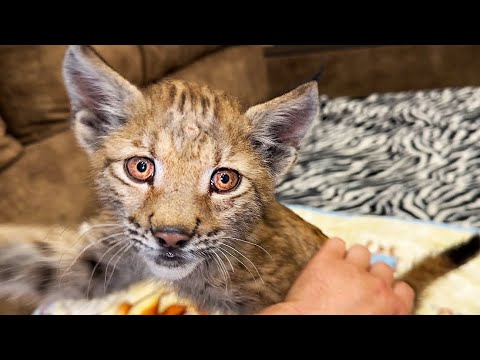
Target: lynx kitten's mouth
(170,258)
(171,270)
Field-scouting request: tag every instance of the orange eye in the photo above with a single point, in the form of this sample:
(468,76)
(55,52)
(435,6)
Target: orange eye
(224,180)
(140,168)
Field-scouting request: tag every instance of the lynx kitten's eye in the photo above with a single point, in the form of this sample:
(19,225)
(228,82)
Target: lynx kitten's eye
(224,180)
(140,168)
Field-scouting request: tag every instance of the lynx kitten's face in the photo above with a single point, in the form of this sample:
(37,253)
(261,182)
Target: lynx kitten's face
(181,165)
(183,176)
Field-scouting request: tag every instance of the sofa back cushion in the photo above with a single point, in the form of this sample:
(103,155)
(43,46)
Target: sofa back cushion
(160,60)
(9,147)
(33,100)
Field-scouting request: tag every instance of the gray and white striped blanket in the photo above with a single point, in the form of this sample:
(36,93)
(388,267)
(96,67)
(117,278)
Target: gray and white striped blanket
(408,154)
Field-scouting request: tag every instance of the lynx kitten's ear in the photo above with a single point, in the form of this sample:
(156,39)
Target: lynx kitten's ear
(99,96)
(281,124)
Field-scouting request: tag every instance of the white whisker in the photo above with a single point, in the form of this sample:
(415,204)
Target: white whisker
(240,261)
(104,225)
(251,243)
(224,270)
(226,257)
(85,249)
(260,276)
(122,252)
(93,227)
(220,269)
(120,242)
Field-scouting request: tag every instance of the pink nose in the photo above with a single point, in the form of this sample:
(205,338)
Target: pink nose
(172,239)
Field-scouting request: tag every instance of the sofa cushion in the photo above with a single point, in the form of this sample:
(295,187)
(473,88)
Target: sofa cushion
(33,100)
(238,70)
(160,60)
(48,184)
(10,149)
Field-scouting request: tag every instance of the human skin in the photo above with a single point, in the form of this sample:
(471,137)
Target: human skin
(337,281)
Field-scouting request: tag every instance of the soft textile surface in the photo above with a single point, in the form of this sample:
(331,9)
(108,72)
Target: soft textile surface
(406,241)
(407,154)
(48,184)
(33,100)
(34,103)
(10,149)
(145,298)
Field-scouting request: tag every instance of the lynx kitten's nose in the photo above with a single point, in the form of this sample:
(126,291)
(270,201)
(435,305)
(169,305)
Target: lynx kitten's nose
(172,239)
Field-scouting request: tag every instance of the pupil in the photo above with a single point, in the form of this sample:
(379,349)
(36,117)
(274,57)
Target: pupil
(142,166)
(225,178)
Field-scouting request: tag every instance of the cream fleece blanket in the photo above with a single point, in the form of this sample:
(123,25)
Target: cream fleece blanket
(406,241)
(409,241)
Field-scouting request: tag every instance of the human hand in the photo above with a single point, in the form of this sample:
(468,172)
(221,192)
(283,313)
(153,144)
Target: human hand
(337,281)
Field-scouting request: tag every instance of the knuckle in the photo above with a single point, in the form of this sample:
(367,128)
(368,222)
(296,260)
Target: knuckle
(333,244)
(381,288)
(338,242)
(360,248)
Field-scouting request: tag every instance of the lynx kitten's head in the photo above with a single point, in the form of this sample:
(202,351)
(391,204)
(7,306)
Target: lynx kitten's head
(181,165)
